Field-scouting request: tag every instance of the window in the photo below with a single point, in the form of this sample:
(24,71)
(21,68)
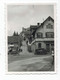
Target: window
(39,45)
(49,34)
(48,47)
(52,46)
(49,26)
(39,35)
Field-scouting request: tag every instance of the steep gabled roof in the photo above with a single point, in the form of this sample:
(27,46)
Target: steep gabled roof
(45,21)
(33,27)
(42,24)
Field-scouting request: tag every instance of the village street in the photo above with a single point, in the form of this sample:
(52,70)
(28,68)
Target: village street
(24,49)
(27,61)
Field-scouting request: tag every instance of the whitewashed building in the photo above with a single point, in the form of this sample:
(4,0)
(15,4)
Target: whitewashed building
(44,36)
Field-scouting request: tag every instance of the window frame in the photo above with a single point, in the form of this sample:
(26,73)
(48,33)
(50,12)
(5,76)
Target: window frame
(39,36)
(51,33)
(49,26)
(39,45)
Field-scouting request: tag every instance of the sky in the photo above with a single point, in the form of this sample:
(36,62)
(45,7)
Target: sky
(19,16)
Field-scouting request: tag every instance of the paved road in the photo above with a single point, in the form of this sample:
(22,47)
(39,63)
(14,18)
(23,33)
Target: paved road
(24,49)
(30,64)
(27,64)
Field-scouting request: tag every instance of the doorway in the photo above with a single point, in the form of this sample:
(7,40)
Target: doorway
(48,47)
(39,45)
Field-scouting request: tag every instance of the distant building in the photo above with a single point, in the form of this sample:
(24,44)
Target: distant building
(25,33)
(33,29)
(44,36)
(15,40)
(22,34)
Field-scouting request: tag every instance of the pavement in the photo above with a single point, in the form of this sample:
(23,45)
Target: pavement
(30,64)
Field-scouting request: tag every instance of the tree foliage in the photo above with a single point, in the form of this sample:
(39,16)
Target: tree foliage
(15,34)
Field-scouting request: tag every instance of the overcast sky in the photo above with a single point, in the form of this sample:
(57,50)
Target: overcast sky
(19,16)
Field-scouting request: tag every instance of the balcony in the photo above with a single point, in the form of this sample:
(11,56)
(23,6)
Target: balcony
(42,39)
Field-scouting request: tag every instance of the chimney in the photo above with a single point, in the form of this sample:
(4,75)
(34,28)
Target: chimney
(38,24)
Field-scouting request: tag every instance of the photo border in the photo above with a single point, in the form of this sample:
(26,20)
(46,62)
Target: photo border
(55,41)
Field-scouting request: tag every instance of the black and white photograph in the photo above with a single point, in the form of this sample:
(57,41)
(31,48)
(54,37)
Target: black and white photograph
(30,38)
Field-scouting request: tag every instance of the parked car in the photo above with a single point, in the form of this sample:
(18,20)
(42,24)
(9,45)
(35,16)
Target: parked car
(9,50)
(13,49)
(20,50)
(40,51)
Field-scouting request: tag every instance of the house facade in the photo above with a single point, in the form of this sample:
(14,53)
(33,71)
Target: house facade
(44,36)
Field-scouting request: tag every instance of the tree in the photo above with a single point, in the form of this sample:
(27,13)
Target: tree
(14,34)
(17,33)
